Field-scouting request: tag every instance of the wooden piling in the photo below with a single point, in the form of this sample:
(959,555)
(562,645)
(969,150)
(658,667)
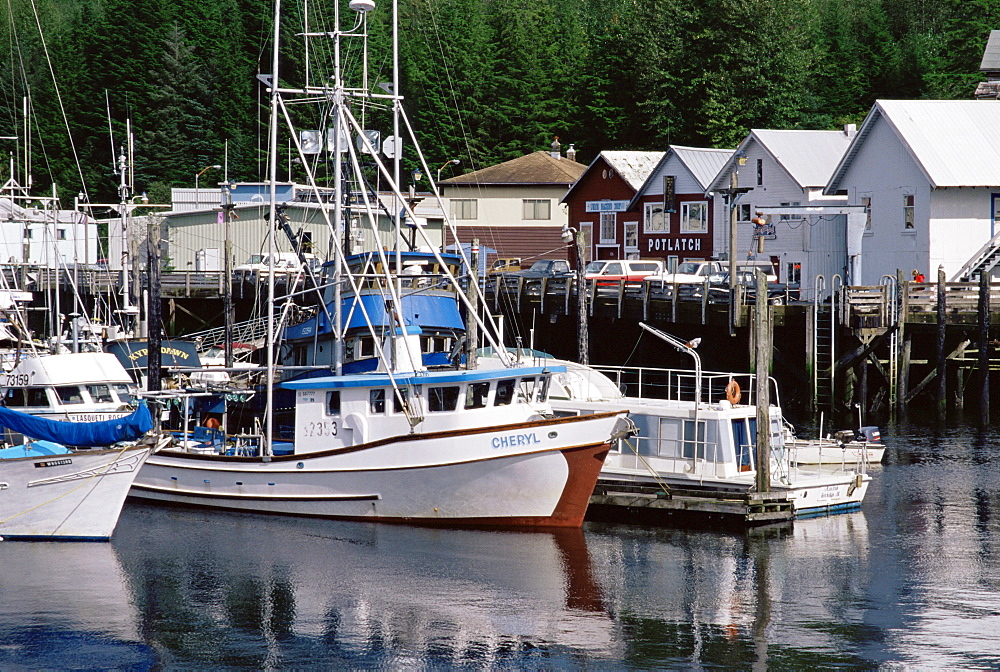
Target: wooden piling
(762,343)
(983,363)
(942,389)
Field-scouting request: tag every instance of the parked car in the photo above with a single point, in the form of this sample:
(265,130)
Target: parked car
(718,287)
(505,265)
(630,270)
(688,272)
(543,268)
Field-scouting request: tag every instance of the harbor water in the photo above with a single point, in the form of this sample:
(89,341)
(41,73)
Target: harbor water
(910,581)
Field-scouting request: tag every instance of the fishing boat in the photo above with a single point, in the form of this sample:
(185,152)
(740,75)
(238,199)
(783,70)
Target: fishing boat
(74,387)
(843,447)
(395,441)
(697,430)
(49,492)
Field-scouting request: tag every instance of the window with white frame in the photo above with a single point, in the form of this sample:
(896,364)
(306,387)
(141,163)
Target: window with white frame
(537,208)
(61,234)
(866,201)
(608,233)
(694,217)
(794,272)
(464,208)
(672,262)
(908,223)
(655,220)
(631,236)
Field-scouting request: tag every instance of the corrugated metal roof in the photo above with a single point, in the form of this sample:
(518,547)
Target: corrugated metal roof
(703,163)
(633,167)
(810,157)
(535,168)
(991,55)
(956,143)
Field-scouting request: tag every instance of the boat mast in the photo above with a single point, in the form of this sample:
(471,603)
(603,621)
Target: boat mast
(273,170)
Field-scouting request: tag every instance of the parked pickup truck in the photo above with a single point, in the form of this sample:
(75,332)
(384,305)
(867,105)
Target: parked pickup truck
(688,272)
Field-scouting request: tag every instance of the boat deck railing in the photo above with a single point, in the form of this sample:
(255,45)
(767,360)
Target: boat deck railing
(680,384)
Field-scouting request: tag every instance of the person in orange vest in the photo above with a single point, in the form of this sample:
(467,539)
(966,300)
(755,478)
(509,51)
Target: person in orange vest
(918,276)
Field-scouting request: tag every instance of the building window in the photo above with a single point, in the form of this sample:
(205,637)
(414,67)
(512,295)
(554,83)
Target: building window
(794,273)
(908,212)
(537,208)
(786,216)
(744,212)
(867,202)
(694,217)
(464,208)
(608,233)
(61,234)
(655,220)
(632,236)
(760,172)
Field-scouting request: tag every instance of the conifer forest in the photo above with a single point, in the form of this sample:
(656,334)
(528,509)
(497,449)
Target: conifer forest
(484,80)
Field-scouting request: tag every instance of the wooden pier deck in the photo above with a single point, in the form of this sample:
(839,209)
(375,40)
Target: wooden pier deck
(651,506)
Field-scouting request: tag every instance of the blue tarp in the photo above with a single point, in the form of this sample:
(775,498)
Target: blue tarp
(103,433)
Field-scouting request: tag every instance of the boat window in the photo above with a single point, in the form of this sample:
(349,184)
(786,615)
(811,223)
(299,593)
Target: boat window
(100,393)
(744,433)
(333,402)
(70,394)
(505,392)
(443,398)
(124,394)
(37,397)
(366,348)
(14,397)
(528,388)
(693,446)
(476,394)
(377,400)
(399,399)
(543,388)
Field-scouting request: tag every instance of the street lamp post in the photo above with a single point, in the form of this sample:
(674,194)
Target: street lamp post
(445,165)
(198,175)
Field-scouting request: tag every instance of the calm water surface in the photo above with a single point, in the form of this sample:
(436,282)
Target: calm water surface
(911,581)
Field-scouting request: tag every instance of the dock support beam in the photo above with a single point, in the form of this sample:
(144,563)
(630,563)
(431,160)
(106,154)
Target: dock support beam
(762,347)
(984,348)
(942,391)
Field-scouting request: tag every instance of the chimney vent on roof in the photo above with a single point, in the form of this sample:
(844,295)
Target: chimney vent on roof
(850,130)
(571,153)
(556,147)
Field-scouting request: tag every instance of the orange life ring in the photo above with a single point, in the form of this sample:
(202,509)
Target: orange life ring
(733,394)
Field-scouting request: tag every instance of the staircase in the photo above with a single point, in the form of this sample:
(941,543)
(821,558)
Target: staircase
(983,261)
(243,332)
(823,346)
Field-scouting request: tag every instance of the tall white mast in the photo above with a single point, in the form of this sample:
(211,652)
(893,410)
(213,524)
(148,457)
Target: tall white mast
(273,169)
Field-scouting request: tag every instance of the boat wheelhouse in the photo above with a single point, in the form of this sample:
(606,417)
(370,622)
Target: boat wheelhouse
(77,387)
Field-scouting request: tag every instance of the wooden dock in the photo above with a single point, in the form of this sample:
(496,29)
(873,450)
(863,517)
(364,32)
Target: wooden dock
(651,506)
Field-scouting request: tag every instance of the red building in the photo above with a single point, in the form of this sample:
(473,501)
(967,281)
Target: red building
(649,204)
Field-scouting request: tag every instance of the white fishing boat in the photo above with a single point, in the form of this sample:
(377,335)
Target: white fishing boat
(697,431)
(74,387)
(48,492)
(399,442)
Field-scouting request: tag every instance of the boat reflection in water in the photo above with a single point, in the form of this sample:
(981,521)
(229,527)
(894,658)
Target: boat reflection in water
(67,605)
(231,589)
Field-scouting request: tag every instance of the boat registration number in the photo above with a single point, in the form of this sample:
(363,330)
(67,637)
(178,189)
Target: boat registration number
(15,380)
(323,428)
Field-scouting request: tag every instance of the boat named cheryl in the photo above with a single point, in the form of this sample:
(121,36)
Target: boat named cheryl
(375,433)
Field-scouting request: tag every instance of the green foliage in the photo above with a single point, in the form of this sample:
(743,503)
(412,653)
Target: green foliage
(485,81)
